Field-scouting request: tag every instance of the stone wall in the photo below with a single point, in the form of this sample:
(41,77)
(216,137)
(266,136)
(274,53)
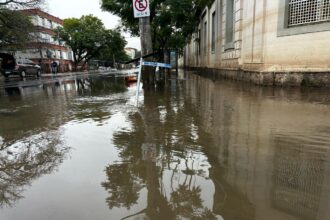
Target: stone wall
(308,79)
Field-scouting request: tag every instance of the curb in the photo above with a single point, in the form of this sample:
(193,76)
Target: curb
(47,75)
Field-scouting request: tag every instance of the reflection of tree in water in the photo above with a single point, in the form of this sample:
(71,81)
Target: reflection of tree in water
(100,85)
(28,159)
(123,187)
(173,161)
(125,179)
(98,98)
(188,204)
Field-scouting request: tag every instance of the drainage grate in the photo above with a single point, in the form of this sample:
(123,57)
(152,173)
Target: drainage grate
(308,11)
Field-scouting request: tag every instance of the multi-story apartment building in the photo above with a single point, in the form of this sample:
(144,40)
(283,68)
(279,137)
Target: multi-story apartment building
(44,49)
(278,42)
(131,52)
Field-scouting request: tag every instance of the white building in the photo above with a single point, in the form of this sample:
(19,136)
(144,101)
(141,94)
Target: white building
(278,42)
(45,49)
(131,52)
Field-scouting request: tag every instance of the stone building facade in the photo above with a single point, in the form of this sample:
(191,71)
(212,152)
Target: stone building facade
(278,42)
(45,49)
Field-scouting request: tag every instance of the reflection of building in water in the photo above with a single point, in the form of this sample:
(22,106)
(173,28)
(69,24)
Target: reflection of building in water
(298,177)
(31,123)
(40,108)
(47,106)
(276,180)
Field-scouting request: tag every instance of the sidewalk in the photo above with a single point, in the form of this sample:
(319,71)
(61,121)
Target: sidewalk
(62,74)
(45,75)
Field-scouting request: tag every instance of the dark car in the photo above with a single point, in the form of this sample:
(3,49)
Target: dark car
(22,67)
(7,64)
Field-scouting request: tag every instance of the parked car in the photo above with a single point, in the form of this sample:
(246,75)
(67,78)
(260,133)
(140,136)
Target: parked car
(26,67)
(7,64)
(22,67)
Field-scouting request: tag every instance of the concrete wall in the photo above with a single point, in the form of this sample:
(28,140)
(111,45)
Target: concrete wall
(261,40)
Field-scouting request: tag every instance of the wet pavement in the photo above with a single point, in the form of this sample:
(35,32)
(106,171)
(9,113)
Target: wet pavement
(76,147)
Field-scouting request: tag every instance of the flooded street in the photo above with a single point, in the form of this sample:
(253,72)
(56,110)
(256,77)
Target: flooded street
(78,148)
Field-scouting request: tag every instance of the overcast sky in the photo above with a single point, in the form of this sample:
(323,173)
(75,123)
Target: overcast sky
(77,8)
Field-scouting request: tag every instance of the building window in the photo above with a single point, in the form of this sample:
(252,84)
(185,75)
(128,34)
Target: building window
(205,37)
(39,21)
(229,24)
(308,11)
(213,32)
(303,16)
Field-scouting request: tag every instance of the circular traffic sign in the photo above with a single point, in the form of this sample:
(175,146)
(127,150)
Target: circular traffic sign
(141,5)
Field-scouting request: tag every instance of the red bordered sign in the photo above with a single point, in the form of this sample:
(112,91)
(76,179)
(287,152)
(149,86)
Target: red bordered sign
(141,8)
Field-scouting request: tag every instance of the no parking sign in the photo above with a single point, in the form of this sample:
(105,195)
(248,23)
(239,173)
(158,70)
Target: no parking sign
(141,8)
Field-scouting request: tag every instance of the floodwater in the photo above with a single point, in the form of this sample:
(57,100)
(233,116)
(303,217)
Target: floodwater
(198,149)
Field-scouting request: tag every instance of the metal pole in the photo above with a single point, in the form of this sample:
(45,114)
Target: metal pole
(138,82)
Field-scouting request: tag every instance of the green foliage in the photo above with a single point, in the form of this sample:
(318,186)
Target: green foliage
(89,39)
(21,3)
(172,21)
(15,29)
(123,8)
(115,50)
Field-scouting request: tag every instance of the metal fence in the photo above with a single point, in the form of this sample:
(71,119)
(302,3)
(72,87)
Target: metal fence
(308,11)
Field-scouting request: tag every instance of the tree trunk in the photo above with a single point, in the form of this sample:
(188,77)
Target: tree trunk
(148,77)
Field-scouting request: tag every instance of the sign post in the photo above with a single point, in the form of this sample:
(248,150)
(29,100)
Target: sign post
(142,11)
(141,8)
(138,82)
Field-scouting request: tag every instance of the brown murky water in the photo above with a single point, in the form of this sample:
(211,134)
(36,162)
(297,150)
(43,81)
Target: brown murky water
(199,149)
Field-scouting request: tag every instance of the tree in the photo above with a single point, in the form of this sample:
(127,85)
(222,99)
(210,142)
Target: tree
(87,38)
(115,50)
(15,29)
(20,3)
(172,21)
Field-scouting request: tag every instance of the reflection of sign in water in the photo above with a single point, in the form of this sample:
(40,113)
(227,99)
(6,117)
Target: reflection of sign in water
(149,152)
(141,8)
(155,64)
